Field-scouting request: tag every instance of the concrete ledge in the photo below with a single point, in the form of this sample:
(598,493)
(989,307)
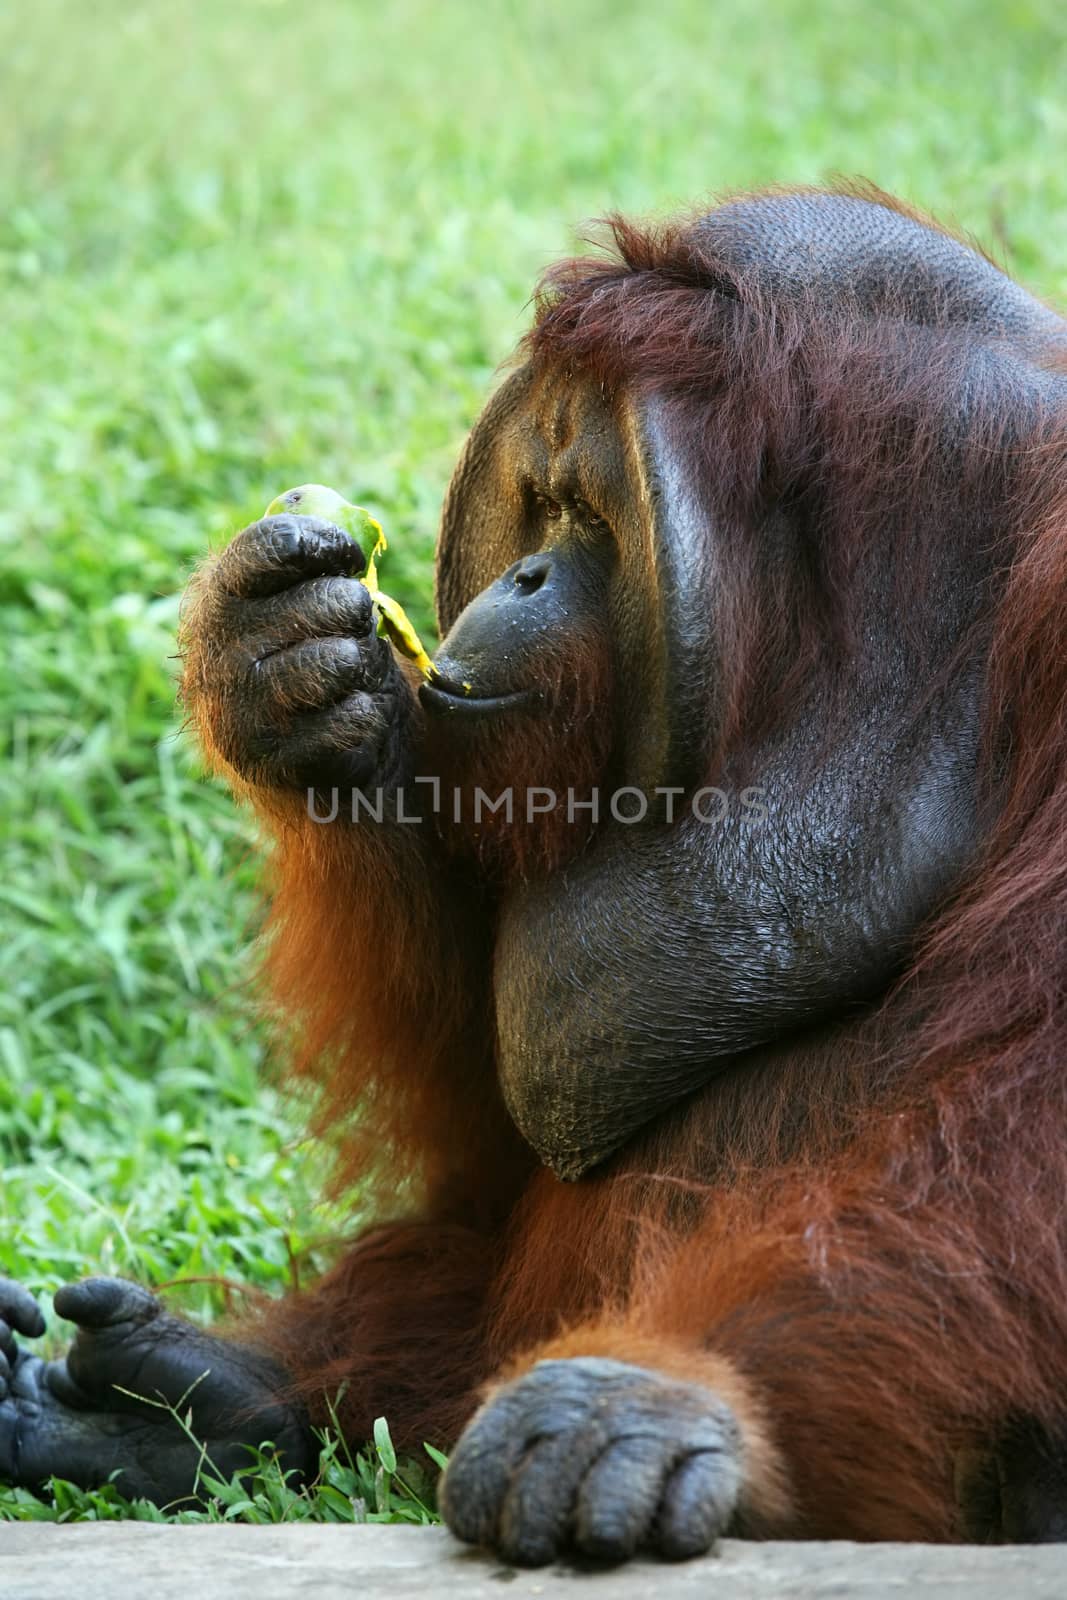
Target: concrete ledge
(97,1561)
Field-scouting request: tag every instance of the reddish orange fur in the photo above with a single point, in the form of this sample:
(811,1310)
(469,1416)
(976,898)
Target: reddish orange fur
(866,1251)
(563,747)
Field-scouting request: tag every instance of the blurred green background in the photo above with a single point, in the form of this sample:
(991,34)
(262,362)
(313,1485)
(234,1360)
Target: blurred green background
(249,244)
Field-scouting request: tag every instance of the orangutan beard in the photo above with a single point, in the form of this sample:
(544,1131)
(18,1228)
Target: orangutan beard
(517,791)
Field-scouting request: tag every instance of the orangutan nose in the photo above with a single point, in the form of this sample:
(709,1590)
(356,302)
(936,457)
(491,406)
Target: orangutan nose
(531,573)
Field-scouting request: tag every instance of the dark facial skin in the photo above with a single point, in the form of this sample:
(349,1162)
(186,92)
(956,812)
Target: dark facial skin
(665,952)
(662,954)
(493,660)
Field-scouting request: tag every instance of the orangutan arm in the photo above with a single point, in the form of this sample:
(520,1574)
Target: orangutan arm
(812,1360)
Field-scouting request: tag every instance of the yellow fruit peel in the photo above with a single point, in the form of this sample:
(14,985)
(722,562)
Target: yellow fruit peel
(316,500)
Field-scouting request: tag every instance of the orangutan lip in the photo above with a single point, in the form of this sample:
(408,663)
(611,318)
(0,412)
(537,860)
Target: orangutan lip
(442,698)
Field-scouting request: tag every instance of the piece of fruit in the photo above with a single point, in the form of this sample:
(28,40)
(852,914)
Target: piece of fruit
(316,500)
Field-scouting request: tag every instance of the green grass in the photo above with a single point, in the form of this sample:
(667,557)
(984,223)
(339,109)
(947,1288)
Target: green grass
(365,1486)
(246,245)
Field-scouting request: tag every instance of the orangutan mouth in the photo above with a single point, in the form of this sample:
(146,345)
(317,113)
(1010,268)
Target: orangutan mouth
(447,698)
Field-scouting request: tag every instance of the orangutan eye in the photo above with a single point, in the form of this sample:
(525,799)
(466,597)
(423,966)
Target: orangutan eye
(551,508)
(591,518)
